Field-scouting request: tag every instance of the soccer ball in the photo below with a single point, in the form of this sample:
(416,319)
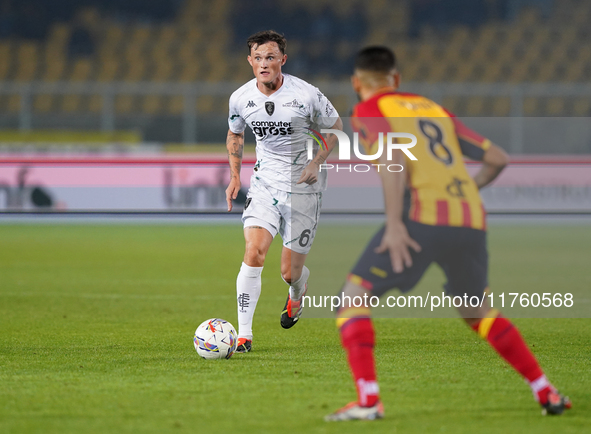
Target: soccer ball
(215,339)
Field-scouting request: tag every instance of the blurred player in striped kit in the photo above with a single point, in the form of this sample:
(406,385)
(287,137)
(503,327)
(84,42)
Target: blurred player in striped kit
(433,214)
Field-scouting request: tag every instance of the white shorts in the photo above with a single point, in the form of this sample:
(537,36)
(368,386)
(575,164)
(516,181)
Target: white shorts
(295,216)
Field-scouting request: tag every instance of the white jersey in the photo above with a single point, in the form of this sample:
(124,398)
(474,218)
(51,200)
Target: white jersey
(281,124)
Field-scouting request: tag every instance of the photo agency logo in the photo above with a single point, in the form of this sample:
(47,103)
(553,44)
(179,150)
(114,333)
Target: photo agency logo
(390,143)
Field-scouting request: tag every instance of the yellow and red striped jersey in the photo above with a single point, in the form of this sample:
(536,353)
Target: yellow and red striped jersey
(441,190)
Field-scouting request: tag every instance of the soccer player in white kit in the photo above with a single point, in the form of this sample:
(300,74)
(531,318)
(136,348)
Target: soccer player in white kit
(285,188)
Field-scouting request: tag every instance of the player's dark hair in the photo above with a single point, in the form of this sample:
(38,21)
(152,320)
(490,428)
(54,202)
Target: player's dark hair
(267,36)
(376,59)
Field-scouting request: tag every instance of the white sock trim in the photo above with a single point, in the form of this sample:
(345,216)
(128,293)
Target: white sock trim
(365,389)
(250,271)
(297,288)
(539,384)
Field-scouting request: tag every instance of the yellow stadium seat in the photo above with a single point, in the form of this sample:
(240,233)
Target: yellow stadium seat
(13,103)
(58,34)
(136,70)
(501,106)
(378,36)
(242,72)
(187,51)
(43,103)
(141,34)
(530,106)
(168,34)
(163,70)
(205,104)
(82,70)
(159,52)
(54,70)
(113,33)
(5,59)
(545,74)
(475,106)
(189,71)
(27,60)
(582,107)
(152,104)
(108,70)
(555,106)
(95,103)
(217,71)
(71,103)
(518,72)
(452,103)
(464,70)
(176,105)
(124,103)
(194,35)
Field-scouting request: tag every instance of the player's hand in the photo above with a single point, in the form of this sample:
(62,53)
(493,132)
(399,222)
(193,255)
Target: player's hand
(232,192)
(309,174)
(397,242)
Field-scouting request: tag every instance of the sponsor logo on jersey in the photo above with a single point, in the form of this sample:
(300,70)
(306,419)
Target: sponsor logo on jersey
(273,128)
(293,103)
(250,104)
(234,117)
(456,188)
(270,107)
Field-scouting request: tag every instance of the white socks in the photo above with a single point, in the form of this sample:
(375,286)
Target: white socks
(538,385)
(248,288)
(297,288)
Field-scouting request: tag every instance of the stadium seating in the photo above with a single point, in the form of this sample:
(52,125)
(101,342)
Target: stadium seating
(201,44)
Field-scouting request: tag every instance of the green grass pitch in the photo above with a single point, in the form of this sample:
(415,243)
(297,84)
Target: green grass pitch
(97,322)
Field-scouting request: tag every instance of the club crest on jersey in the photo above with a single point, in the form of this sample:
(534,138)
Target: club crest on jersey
(270,107)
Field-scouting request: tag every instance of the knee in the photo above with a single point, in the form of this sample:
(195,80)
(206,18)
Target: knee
(254,256)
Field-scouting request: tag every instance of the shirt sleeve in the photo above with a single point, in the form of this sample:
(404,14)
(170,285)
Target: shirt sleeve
(368,121)
(236,122)
(472,144)
(323,112)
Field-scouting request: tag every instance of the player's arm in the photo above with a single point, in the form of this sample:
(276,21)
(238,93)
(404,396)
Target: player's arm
(310,172)
(396,239)
(478,148)
(235,146)
(494,161)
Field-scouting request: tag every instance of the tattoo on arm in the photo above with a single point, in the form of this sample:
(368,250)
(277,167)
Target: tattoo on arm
(319,160)
(235,146)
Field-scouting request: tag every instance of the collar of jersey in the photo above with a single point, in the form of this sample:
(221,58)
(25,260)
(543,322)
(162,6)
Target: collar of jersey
(274,94)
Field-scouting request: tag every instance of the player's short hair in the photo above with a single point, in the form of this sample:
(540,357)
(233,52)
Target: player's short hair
(267,36)
(376,59)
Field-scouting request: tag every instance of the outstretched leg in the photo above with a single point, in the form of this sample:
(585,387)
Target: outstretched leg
(504,337)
